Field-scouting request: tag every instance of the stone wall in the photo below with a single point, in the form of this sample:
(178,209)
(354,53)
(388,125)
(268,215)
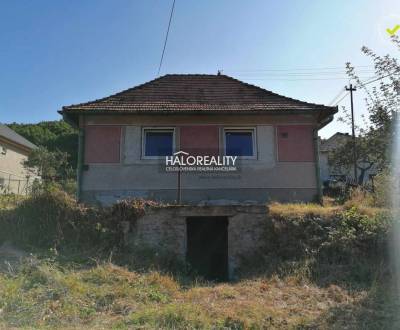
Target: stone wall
(164,229)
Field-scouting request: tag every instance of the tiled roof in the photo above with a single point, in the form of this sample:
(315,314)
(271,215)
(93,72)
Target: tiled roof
(13,136)
(334,141)
(195,93)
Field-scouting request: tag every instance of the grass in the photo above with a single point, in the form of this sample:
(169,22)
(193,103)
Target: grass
(10,201)
(363,202)
(302,209)
(44,295)
(314,274)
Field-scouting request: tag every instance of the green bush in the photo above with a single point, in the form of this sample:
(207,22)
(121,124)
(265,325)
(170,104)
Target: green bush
(343,244)
(348,234)
(53,219)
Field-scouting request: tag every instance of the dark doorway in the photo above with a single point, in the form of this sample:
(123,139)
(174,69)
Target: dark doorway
(207,246)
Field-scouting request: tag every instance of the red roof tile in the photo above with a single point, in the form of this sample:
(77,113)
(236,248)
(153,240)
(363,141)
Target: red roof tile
(195,93)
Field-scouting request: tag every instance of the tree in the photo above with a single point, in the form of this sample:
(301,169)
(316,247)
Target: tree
(376,135)
(53,135)
(51,166)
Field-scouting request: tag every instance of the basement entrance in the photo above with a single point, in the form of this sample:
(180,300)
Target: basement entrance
(207,246)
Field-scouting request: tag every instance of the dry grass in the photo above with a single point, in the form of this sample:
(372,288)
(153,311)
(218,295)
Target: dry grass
(40,294)
(362,201)
(104,297)
(302,209)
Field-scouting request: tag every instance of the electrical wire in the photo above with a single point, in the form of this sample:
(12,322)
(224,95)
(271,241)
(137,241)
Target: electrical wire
(300,69)
(342,90)
(373,80)
(315,73)
(166,37)
(302,79)
(341,99)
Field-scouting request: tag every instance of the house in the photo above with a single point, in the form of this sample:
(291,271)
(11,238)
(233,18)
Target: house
(345,173)
(233,141)
(219,147)
(14,150)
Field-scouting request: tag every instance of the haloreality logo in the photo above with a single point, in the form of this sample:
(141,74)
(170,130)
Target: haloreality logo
(183,161)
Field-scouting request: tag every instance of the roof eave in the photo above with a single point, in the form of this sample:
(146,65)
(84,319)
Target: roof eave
(20,146)
(326,117)
(326,111)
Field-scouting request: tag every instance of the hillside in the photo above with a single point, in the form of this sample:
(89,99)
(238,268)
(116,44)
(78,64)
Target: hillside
(62,266)
(52,135)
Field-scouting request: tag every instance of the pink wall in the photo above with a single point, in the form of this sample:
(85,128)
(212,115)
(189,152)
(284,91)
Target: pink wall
(102,144)
(295,143)
(200,140)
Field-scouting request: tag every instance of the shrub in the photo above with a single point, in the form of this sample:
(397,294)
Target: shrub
(312,242)
(53,219)
(382,184)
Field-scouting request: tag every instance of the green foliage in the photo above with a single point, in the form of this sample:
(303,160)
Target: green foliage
(53,219)
(10,201)
(316,247)
(320,261)
(49,165)
(52,135)
(382,184)
(376,135)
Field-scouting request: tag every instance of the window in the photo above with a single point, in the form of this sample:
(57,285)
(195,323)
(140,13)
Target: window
(158,142)
(239,142)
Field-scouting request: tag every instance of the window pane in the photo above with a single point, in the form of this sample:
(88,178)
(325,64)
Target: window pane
(239,143)
(158,143)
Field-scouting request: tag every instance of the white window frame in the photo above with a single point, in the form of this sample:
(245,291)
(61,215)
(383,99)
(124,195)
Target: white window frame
(252,130)
(157,129)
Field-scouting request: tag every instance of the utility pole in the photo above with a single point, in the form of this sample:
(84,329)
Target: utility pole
(351,89)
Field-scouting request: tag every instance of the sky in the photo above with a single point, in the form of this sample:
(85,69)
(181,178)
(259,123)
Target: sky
(56,53)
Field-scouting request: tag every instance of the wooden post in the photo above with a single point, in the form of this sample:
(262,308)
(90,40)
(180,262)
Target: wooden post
(351,89)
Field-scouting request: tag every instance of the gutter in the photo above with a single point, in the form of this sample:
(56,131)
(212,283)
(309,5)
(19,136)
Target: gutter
(317,167)
(325,121)
(185,112)
(79,167)
(321,123)
(72,116)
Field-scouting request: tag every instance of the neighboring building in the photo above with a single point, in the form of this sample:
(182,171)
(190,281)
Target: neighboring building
(14,150)
(345,173)
(124,139)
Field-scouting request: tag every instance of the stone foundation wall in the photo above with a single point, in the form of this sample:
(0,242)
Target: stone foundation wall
(164,229)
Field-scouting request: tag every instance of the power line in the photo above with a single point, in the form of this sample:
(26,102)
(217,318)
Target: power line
(341,99)
(301,79)
(337,96)
(166,37)
(301,69)
(361,85)
(314,73)
(373,80)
